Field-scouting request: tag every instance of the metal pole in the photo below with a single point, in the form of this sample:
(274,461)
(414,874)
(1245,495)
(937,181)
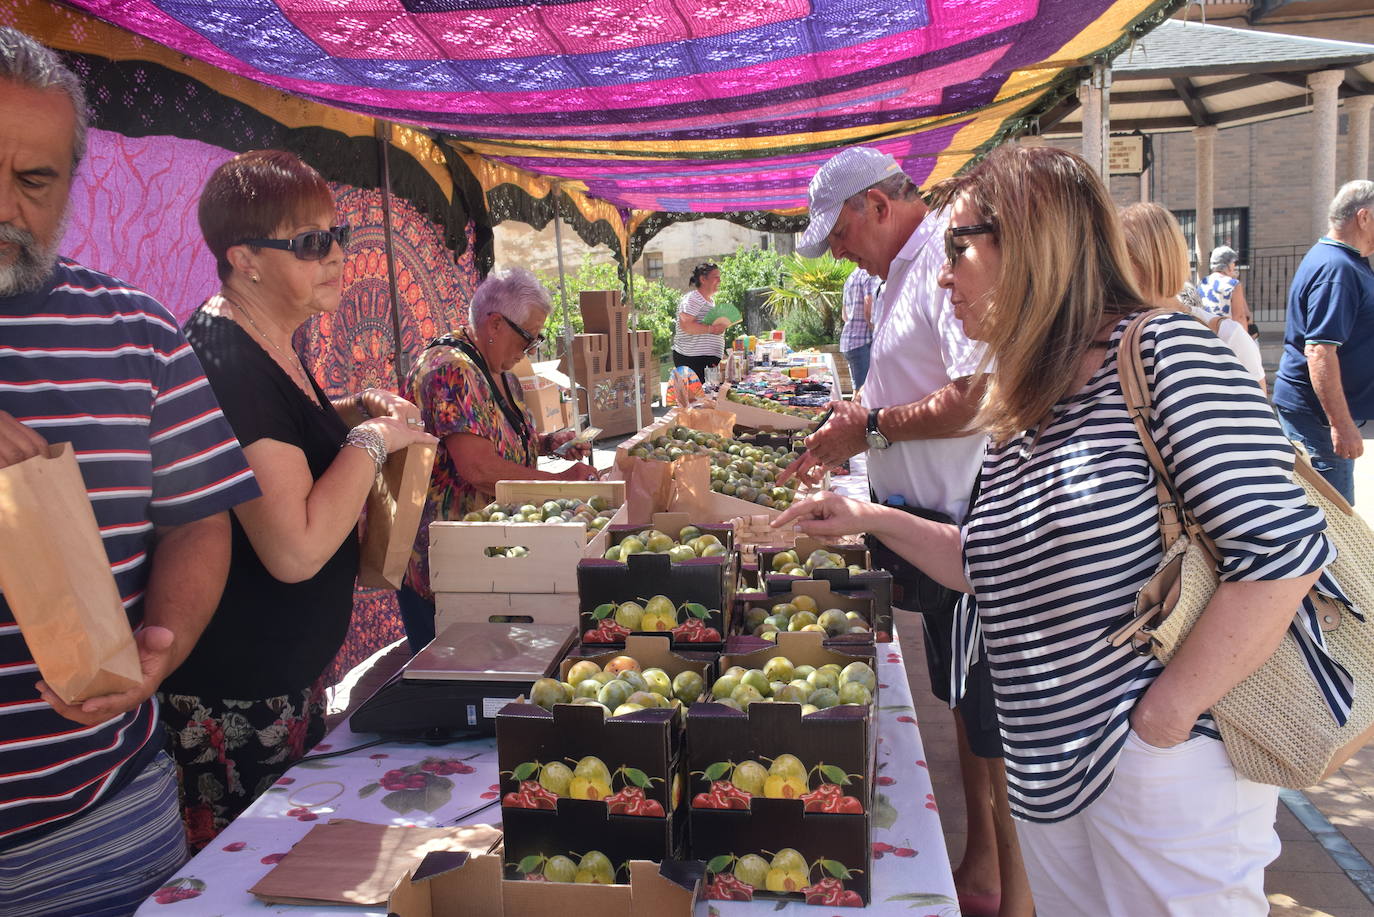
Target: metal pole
(400,359)
(634,341)
(567,320)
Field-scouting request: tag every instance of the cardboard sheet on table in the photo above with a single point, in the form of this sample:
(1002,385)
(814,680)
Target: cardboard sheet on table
(354,862)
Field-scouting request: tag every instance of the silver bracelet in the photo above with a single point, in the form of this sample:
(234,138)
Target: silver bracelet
(371,441)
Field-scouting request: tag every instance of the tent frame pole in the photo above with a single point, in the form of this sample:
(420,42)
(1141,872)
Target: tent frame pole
(400,360)
(640,385)
(567,319)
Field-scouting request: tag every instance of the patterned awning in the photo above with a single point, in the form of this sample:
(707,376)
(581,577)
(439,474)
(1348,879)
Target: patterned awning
(677,106)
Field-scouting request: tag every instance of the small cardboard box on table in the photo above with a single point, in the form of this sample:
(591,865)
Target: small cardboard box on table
(642,753)
(603,362)
(545,392)
(705,581)
(829,823)
(451,884)
(540,588)
(861,603)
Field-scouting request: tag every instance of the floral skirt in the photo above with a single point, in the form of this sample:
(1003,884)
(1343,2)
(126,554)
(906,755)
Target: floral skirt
(229,751)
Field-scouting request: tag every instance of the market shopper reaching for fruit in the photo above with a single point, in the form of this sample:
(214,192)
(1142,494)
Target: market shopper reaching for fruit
(469,398)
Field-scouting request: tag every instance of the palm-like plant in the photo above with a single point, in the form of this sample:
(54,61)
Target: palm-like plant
(814,285)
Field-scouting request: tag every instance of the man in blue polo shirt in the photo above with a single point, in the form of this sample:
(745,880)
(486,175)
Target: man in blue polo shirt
(89,822)
(1325,386)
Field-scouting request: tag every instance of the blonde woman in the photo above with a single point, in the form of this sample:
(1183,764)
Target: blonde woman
(1159,254)
(1127,803)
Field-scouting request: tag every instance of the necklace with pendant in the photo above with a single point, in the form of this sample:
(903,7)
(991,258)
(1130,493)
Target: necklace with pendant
(293,360)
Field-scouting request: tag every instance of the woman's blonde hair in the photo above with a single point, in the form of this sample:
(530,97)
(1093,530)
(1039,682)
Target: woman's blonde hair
(1064,269)
(1158,251)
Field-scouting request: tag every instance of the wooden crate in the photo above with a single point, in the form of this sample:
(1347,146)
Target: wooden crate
(760,418)
(458,560)
(526,607)
(536,492)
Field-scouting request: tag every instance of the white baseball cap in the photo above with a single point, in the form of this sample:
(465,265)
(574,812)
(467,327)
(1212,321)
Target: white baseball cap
(837,180)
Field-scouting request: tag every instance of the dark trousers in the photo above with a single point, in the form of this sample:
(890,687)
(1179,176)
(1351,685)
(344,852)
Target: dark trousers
(697,365)
(417,615)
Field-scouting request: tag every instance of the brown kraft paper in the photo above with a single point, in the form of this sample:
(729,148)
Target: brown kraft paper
(56,576)
(393,515)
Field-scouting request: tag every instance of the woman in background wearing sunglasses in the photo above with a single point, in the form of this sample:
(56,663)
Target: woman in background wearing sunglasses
(471,400)
(246,704)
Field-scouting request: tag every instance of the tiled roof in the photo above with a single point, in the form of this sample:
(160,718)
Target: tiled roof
(1179,48)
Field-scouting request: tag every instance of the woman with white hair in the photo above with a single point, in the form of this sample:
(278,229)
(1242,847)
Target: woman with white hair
(469,398)
(1221,291)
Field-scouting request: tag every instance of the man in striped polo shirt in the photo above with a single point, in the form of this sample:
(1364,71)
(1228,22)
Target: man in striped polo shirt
(88,807)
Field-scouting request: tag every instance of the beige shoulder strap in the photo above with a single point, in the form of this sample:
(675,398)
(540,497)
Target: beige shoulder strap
(1135,389)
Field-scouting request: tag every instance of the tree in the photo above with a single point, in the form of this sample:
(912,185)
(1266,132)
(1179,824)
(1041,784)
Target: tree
(811,295)
(747,269)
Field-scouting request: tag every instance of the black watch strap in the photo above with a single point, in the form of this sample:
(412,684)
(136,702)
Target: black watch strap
(873,420)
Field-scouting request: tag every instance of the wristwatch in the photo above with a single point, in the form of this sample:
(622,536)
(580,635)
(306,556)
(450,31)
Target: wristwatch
(874,436)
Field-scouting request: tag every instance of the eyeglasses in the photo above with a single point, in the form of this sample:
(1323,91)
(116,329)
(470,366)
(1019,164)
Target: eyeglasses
(308,246)
(531,342)
(952,251)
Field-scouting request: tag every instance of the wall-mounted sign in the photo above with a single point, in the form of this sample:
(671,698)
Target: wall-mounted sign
(1126,155)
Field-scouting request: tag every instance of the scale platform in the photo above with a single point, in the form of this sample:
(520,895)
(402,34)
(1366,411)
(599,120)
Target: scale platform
(456,684)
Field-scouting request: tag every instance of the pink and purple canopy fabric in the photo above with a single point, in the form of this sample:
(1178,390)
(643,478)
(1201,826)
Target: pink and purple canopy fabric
(665,105)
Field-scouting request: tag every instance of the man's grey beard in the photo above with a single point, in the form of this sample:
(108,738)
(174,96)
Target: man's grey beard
(34,261)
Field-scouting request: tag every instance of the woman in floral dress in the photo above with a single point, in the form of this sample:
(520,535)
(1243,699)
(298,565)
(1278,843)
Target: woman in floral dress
(470,400)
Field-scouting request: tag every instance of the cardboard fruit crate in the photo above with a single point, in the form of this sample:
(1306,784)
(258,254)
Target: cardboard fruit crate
(877,583)
(641,750)
(505,608)
(448,882)
(837,747)
(825,598)
(707,581)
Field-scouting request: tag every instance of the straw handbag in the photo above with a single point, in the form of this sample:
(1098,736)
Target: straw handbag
(1276,723)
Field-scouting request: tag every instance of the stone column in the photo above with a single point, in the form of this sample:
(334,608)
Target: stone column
(1093,96)
(1324,86)
(1206,140)
(1358,108)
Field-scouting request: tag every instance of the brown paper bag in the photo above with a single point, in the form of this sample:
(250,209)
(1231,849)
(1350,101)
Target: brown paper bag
(56,577)
(648,488)
(708,420)
(393,515)
(691,493)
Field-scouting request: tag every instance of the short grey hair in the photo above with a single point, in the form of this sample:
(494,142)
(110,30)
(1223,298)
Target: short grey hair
(1223,256)
(26,62)
(1353,197)
(898,187)
(513,292)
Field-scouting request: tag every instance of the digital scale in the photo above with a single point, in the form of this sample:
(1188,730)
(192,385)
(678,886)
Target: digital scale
(456,684)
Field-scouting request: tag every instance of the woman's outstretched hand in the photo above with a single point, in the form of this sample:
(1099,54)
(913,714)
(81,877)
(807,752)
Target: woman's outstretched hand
(828,513)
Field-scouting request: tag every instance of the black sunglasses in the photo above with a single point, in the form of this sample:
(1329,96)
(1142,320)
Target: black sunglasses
(308,246)
(531,342)
(952,252)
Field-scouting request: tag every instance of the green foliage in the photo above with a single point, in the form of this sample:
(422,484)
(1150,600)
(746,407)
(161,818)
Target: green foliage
(747,269)
(655,303)
(810,298)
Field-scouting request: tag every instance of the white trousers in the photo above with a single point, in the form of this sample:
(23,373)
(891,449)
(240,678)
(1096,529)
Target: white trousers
(1175,833)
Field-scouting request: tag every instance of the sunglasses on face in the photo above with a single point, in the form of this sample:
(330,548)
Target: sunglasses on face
(531,341)
(308,246)
(953,251)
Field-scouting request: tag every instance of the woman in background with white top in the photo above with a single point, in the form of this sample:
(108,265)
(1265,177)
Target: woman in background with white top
(696,345)
(1159,254)
(1221,291)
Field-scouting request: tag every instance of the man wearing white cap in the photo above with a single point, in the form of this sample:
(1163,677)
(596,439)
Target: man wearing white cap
(918,401)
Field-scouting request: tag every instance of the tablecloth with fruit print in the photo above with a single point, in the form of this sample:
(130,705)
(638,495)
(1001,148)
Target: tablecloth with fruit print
(415,784)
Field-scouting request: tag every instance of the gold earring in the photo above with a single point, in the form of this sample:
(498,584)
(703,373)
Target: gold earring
(256,278)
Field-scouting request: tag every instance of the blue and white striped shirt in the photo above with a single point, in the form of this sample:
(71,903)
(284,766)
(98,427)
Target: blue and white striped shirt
(1064,534)
(92,361)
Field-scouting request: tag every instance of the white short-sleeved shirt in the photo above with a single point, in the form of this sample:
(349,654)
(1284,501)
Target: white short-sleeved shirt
(918,348)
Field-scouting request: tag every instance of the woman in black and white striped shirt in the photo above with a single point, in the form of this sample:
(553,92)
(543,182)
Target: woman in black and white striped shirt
(1128,804)
(698,345)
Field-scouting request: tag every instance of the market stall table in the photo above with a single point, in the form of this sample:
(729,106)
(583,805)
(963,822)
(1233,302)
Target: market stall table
(911,874)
